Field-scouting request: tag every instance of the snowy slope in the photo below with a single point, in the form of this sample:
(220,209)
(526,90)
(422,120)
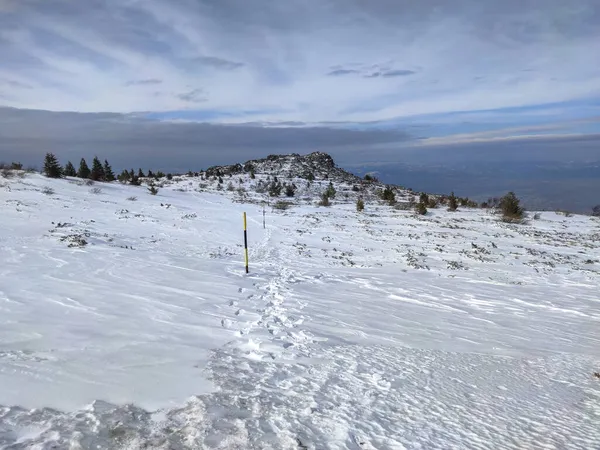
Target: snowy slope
(353,330)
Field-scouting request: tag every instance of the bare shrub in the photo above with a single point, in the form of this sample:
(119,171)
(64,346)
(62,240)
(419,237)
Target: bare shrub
(324,200)
(89,182)
(96,191)
(48,191)
(132,199)
(360,205)
(282,205)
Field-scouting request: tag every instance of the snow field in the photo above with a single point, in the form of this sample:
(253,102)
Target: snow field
(352,331)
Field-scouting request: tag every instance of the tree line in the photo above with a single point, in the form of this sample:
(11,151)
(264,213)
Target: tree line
(99,171)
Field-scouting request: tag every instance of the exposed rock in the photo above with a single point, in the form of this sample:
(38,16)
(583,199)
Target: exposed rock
(319,165)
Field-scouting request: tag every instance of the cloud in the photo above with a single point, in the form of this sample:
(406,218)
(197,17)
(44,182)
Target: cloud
(193,96)
(132,140)
(398,73)
(147,82)
(414,58)
(339,72)
(218,63)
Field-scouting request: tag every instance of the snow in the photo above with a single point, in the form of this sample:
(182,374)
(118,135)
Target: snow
(374,330)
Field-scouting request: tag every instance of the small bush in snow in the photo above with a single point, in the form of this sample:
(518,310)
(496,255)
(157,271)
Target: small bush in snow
(290,190)
(421,209)
(324,200)
(536,216)
(261,187)
(360,205)
(153,190)
(388,195)
(132,199)
(424,198)
(282,205)
(89,182)
(96,190)
(433,203)
(48,191)
(275,189)
(230,187)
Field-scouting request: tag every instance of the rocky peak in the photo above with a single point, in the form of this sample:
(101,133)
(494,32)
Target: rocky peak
(318,164)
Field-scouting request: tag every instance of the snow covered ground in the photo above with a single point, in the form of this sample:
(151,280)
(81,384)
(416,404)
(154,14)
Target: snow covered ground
(130,323)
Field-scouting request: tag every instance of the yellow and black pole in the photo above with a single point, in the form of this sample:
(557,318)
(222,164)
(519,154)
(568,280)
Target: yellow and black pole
(246,242)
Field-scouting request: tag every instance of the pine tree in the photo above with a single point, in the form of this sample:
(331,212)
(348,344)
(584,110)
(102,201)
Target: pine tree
(421,209)
(125,176)
(511,208)
(452,202)
(97,173)
(330,191)
(69,170)
(109,175)
(51,167)
(84,170)
(141,174)
(150,174)
(388,195)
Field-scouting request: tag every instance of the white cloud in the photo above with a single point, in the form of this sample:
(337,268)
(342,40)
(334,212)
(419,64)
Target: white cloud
(275,56)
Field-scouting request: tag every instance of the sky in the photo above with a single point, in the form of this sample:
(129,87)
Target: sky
(297,74)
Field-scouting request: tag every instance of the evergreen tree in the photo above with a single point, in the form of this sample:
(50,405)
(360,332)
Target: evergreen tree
(97,173)
(52,168)
(421,208)
(69,170)
(330,191)
(452,202)
(388,195)
(141,173)
(150,174)
(511,208)
(108,172)
(131,174)
(290,190)
(424,198)
(84,170)
(124,177)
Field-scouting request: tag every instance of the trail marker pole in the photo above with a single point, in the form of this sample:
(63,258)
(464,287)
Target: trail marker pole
(246,242)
